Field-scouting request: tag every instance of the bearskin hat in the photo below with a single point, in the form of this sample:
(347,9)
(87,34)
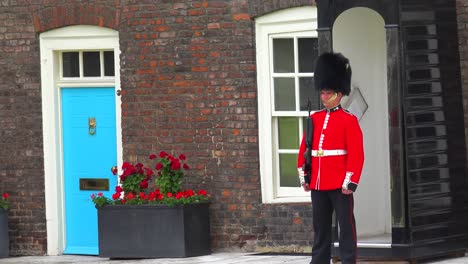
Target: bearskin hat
(333,72)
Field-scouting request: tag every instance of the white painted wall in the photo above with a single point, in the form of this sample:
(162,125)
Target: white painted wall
(359,34)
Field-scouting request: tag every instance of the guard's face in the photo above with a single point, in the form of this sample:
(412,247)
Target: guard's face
(330,98)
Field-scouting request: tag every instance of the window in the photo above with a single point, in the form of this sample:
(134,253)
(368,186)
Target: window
(286,52)
(78,64)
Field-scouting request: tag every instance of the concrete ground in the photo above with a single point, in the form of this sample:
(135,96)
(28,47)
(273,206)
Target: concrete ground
(215,258)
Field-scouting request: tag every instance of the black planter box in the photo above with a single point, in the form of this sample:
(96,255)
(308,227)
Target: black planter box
(154,231)
(4,239)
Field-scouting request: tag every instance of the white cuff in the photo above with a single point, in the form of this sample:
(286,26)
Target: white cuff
(300,172)
(347,180)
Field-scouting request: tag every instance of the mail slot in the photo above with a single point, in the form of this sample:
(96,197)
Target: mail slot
(94,184)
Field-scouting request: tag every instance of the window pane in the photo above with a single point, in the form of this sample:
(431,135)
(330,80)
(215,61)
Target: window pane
(71,64)
(288,131)
(91,64)
(283,55)
(307,91)
(308,52)
(288,170)
(109,63)
(284,94)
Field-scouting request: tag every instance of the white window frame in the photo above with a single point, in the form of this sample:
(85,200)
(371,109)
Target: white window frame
(291,23)
(52,43)
(102,76)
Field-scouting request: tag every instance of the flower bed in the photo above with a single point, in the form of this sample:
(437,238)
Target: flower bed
(165,222)
(135,178)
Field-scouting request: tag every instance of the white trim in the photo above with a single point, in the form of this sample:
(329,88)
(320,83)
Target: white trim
(51,42)
(368,245)
(293,20)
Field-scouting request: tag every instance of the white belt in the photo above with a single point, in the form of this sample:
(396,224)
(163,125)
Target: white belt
(328,152)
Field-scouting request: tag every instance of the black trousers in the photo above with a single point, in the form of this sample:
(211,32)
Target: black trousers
(323,205)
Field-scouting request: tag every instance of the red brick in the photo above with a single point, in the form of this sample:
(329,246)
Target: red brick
(213,26)
(226,193)
(241,17)
(200,69)
(196,12)
(161,28)
(145,71)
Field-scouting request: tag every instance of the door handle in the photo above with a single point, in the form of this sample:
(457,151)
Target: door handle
(91,125)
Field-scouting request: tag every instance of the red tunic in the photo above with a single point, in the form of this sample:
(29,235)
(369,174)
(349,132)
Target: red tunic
(335,129)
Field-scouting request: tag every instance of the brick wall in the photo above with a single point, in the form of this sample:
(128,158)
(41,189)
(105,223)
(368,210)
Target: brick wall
(188,77)
(21,166)
(462,13)
(21,143)
(188,81)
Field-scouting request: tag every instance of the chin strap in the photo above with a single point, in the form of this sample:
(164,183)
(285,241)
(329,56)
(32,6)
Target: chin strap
(335,95)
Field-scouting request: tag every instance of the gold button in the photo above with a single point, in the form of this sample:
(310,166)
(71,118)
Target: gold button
(320,153)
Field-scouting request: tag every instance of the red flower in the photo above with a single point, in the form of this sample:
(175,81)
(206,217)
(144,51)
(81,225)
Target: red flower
(116,196)
(114,170)
(129,170)
(149,172)
(182,157)
(92,196)
(202,192)
(175,165)
(163,154)
(6,195)
(179,195)
(118,189)
(144,184)
(186,167)
(169,194)
(130,196)
(99,194)
(126,165)
(159,166)
(142,195)
(152,156)
(189,193)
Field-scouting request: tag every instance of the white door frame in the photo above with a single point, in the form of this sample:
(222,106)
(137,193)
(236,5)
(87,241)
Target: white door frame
(68,38)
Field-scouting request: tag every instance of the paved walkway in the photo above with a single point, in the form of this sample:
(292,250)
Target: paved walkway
(215,258)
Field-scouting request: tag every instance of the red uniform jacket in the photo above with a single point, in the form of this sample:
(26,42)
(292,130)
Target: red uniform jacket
(335,130)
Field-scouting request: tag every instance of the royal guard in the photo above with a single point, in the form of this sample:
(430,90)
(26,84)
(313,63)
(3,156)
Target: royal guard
(337,157)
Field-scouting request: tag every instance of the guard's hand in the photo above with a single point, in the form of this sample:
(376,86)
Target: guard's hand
(346,191)
(306,187)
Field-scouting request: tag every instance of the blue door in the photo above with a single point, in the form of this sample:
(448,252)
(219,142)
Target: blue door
(89,151)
